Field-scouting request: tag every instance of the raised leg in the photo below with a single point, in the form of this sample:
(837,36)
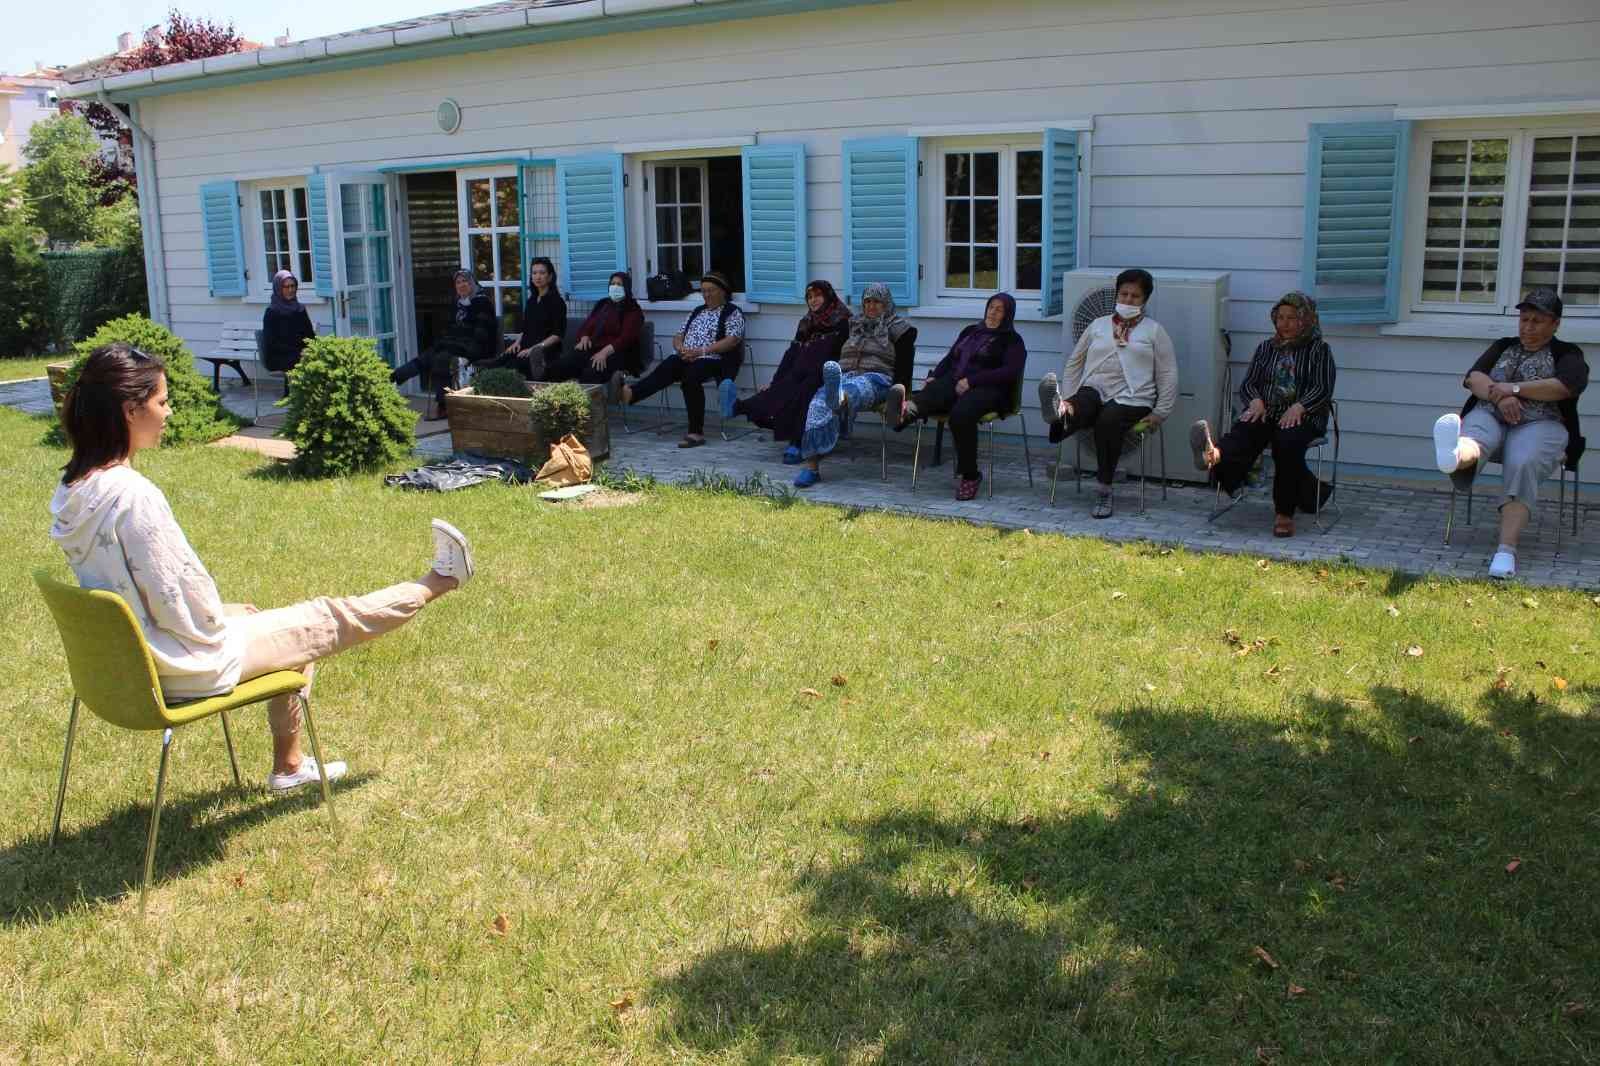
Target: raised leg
(322,767)
(155,820)
(233,760)
(66,762)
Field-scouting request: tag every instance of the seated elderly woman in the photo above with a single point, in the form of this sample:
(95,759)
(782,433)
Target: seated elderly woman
(860,378)
(285,325)
(780,405)
(1122,371)
(712,330)
(977,376)
(608,340)
(1287,393)
(1522,414)
(473,334)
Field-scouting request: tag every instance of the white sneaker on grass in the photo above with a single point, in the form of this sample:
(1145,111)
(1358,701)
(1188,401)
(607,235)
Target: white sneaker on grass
(1446,435)
(1503,567)
(452,556)
(306,774)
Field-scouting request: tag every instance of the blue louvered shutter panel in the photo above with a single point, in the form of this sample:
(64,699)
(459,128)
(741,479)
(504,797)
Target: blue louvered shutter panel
(1356,175)
(880,216)
(321,234)
(775,223)
(594,242)
(219,225)
(1060,251)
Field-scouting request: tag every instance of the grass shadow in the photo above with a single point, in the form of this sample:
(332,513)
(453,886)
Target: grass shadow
(1361,847)
(103,861)
(1400,583)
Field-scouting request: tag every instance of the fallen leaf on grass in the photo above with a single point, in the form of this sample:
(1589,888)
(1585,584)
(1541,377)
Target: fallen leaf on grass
(1530,603)
(1148,687)
(1513,866)
(238,880)
(1322,573)
(1295,990)
(1262,564)
(1392,610)
(1273,671)
(1335,650)
(839,680)
(1507,733)
(1573,1009)
(811,692)
(1267,1053)
(620,1006)
(1044,756)
(1337,881)
(1501,681)
(1414,740)
(712,643)
(1469,601)
(1264,956)
(1540,664)
(999,604)
(1119,595)
(1415,651)
(1595,600)
(500,926)
(1560,683)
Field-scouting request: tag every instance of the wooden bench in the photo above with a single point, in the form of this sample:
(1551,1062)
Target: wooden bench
(240,340)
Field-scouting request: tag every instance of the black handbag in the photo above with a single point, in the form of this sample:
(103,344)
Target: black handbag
(673,285)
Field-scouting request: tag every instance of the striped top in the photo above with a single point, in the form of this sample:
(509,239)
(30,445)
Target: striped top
(1314,375)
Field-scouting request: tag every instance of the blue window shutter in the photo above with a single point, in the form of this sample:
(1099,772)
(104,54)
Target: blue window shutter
(1356,177)
(775,222)
(594,242)
(219,222)
(321,237)
(880,216)
(1060,251)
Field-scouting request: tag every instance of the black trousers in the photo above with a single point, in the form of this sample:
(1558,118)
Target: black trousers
(576,366)
(1293,485)
(692,376)
(434,366)
(938,397)
(1110,422)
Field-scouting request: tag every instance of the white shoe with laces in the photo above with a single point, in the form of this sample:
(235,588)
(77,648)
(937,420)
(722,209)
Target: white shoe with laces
(452,556)
(306,774)
(1446,435)
(1503,567)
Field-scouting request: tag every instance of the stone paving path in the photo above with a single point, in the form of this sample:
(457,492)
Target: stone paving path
(1387,526)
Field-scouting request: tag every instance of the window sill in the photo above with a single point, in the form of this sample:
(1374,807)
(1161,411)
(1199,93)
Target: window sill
(1487,327)
(310,299)
(1027,310)
(689,305)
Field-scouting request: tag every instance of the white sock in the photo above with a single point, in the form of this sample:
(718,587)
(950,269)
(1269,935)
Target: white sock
(1508,549)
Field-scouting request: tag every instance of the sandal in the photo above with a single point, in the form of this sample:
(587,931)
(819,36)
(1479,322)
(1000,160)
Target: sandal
(691,442)
(1283,526)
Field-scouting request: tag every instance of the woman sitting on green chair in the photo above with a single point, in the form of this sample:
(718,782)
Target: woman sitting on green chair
(119,534)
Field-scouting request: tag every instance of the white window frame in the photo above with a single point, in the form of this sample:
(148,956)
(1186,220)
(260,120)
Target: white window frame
(638,168)
(652,250)
(1499,317)
(258,279)
(493,286)
(1007,148)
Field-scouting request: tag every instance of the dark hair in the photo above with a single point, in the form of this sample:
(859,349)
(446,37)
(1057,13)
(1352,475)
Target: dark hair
(92,413)
(544,261)
(1140,278)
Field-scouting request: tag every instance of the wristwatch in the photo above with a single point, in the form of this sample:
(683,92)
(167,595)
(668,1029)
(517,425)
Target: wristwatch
(1516,390)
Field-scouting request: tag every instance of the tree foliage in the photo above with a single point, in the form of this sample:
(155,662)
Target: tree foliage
(59,178)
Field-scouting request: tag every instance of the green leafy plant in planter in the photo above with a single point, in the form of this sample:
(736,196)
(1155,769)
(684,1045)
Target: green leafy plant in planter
(198,416)
(501,381)
(344,413)
(560,409)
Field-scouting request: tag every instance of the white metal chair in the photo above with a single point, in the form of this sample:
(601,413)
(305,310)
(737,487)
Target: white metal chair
(1569,464)
(1319,446)
(1136,440)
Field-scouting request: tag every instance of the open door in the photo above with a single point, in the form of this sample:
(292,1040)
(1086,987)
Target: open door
(364,267)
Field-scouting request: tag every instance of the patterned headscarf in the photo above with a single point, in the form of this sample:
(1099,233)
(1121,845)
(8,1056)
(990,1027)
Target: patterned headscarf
(832,313)
(280,303)
(1311,325)
(458,275)
(876,334)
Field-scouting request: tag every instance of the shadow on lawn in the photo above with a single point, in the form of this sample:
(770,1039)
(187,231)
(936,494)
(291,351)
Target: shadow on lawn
(1362,845)
(103,861)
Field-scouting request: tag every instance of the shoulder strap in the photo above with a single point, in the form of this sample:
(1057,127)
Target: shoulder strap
(723,315)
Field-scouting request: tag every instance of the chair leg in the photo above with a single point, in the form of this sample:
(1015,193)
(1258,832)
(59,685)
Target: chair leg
(1055,475)
(991,460)
(916,455)
(322,767)
(883,447)
(1077,464)
(66,762)
(233,759)
(1561,509)
(1144,470)
(155,820)
(1450,515)
(1027,450)
(1161,442)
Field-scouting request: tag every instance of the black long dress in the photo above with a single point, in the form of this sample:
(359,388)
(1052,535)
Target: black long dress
(781,406)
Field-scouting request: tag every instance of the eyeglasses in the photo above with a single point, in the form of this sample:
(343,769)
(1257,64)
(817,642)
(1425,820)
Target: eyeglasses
(138,356)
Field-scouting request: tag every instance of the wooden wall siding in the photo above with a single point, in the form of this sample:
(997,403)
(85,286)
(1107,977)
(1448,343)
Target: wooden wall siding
(1197,162)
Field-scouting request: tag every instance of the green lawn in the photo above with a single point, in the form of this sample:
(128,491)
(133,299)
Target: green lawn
(27,367)
(747,783)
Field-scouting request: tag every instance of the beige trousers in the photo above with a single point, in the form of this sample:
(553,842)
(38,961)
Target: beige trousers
(294,638)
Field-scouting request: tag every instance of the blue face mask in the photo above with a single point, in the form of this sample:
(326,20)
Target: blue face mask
(617,293)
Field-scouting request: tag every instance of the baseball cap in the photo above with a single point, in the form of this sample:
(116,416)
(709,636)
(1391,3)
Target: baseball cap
(1544,300)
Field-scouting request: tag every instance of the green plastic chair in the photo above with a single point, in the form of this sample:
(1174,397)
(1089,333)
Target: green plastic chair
(113,674)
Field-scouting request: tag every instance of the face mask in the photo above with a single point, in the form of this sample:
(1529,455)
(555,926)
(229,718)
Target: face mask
(1129,311)
(616,293)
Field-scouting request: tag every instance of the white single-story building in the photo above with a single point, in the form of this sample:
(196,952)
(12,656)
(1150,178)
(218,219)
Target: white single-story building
(1415,164)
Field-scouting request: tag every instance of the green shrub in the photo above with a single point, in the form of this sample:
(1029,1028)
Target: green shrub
(198,416)
(560,409)
(345,414)
(501,381)
(23,325)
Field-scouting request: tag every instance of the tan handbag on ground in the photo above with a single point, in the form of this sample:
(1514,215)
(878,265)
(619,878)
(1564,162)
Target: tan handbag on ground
(569,464)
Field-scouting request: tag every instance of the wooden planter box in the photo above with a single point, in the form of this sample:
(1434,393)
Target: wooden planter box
(502,426)
(57,373)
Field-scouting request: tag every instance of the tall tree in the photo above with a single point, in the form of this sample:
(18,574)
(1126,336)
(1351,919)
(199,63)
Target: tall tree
(59,178)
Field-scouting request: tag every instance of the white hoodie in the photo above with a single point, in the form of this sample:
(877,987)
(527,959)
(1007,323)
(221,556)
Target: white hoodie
(119,535)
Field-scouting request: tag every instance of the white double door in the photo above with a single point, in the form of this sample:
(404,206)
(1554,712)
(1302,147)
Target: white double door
(365,264)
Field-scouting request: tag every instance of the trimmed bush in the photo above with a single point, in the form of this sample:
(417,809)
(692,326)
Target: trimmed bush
(560,409)
(23,285)
(501,381)
(345,415)
(198,416)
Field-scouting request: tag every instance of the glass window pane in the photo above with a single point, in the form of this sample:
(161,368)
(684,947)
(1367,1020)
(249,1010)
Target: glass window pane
(1029,270)
(510,310)
(1483,221)
(482,247)
(1448,170)
(269,234)
(986,221)
(1540,270)
(479,215)
(1547,221)
(277,204)
(506,212)
(1444,223)
(1030,225)
(305,275)
(1479,273)
(302,235)
(1439,278)
(958,221)
(667,225)
(689,185)
(691,220)
(386,349)
(958,174)
(986,174)
(666,185)
(958,268)
(378,253)
(350,208)
(1489,164)
(986,268)
(1580,284)
(694,263)
(360,321)
(383,308)
(299,201)
(1030,173)
(1588,176)
(1552,163)
(667,258)
(266,204)
(1583,224)
(510,257)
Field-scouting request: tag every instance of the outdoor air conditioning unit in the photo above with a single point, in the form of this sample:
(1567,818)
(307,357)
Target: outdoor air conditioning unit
(1190,304)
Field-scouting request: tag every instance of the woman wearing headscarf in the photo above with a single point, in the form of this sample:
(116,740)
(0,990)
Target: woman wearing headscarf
(711,331)
(285,325)
(1123,371)
(975,377)
(544,325)
(860,378)
(1286,394)
(608,340)
(780,405)
(473,334)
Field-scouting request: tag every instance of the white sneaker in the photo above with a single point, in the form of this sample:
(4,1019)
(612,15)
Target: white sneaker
(1446,435)
(452,556)
(305,775)
(1503,567)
